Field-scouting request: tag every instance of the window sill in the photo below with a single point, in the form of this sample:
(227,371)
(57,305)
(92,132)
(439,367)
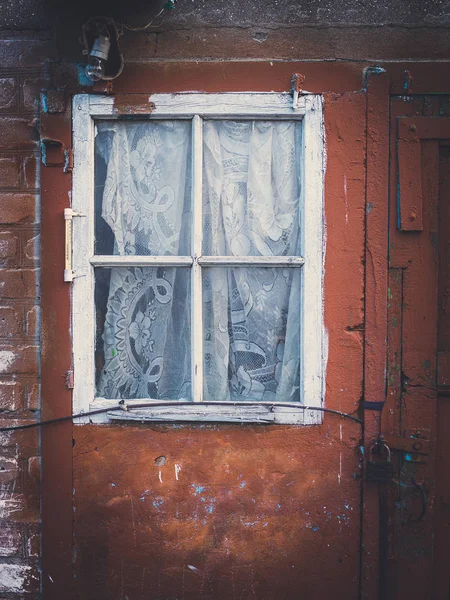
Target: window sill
(210,412)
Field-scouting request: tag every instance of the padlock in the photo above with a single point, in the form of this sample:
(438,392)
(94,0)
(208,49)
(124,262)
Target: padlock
(381,470)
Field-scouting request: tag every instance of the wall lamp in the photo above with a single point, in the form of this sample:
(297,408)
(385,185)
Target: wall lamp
(101,45)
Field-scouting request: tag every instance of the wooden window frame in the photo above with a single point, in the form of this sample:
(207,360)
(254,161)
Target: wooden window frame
(196,107)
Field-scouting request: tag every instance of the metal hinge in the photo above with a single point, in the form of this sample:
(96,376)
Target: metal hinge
(297,82)
(69,380)
(69,214)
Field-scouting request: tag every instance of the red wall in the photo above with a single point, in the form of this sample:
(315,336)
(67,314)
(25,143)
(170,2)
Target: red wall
(263,512)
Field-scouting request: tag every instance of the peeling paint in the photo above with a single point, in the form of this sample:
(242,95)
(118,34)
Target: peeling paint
(6,360)
(13,577)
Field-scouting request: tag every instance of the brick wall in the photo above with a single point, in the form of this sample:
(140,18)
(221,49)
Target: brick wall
(21,67)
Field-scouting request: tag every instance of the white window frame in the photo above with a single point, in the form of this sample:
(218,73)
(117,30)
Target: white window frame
(198,106)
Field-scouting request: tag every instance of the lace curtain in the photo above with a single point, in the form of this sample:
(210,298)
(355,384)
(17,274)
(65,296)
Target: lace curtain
(251,325)
(143,340)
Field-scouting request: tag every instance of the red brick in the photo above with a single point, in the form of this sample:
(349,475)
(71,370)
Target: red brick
(31,249)
(9,469)
(18,133)
(9,171)
(34,394)
(10,539)
(33,320)
(34,471)
(18,359)
(30,172)
(11,321)
(31,90)
(8,93)
(17,208)
(9,245)
(12,395)
(18,283)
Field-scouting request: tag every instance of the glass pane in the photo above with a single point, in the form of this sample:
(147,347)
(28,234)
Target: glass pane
(142,188)
(251,188)
(143,343)
(251,334)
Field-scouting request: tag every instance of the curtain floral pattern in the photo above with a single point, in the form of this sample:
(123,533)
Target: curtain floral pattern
(251,204)
(144,339)
(251,207)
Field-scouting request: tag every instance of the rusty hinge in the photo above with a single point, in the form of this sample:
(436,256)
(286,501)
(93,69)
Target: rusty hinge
(69,380)
(297,82)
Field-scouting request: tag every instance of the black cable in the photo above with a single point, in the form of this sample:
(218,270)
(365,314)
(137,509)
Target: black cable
(59,419)
(159,404)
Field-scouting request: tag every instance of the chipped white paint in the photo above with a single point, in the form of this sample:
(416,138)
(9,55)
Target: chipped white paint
(231,412)
(32,248)
(13,577)
(160,476)
(214,106)
(196,271)
(192,568)
(83,309)
(10,540)
(177,470)
(6,360)
(199,106)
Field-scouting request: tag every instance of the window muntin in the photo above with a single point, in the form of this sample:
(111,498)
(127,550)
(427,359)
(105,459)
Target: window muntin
(225,254)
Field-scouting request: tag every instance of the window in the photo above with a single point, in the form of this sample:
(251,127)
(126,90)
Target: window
(197,257)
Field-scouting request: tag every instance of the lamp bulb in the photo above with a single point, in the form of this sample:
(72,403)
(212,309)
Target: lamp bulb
(95,69)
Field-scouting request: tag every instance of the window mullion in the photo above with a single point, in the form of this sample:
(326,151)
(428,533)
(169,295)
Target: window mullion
(141,261)
(252,261)
(197,234)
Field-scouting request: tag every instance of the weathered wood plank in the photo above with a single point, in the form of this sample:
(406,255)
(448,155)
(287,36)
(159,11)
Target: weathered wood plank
(141,261)
(187,105)
(410,185)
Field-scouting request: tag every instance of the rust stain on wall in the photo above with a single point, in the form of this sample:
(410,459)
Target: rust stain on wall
(132,104)
(234,511)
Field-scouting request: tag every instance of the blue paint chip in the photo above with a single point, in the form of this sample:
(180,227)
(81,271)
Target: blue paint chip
(409,457)
(81,74)
(242,484)
(44,103)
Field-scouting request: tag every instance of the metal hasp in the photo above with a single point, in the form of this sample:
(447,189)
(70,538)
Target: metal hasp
(296,88)
(68,216)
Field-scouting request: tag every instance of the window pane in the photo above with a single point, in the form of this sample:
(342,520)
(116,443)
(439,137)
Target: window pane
(143,333)
(252,334)
(251,188)
(142,188)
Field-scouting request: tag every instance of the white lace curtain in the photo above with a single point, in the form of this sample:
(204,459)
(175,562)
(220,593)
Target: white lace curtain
(251,326)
